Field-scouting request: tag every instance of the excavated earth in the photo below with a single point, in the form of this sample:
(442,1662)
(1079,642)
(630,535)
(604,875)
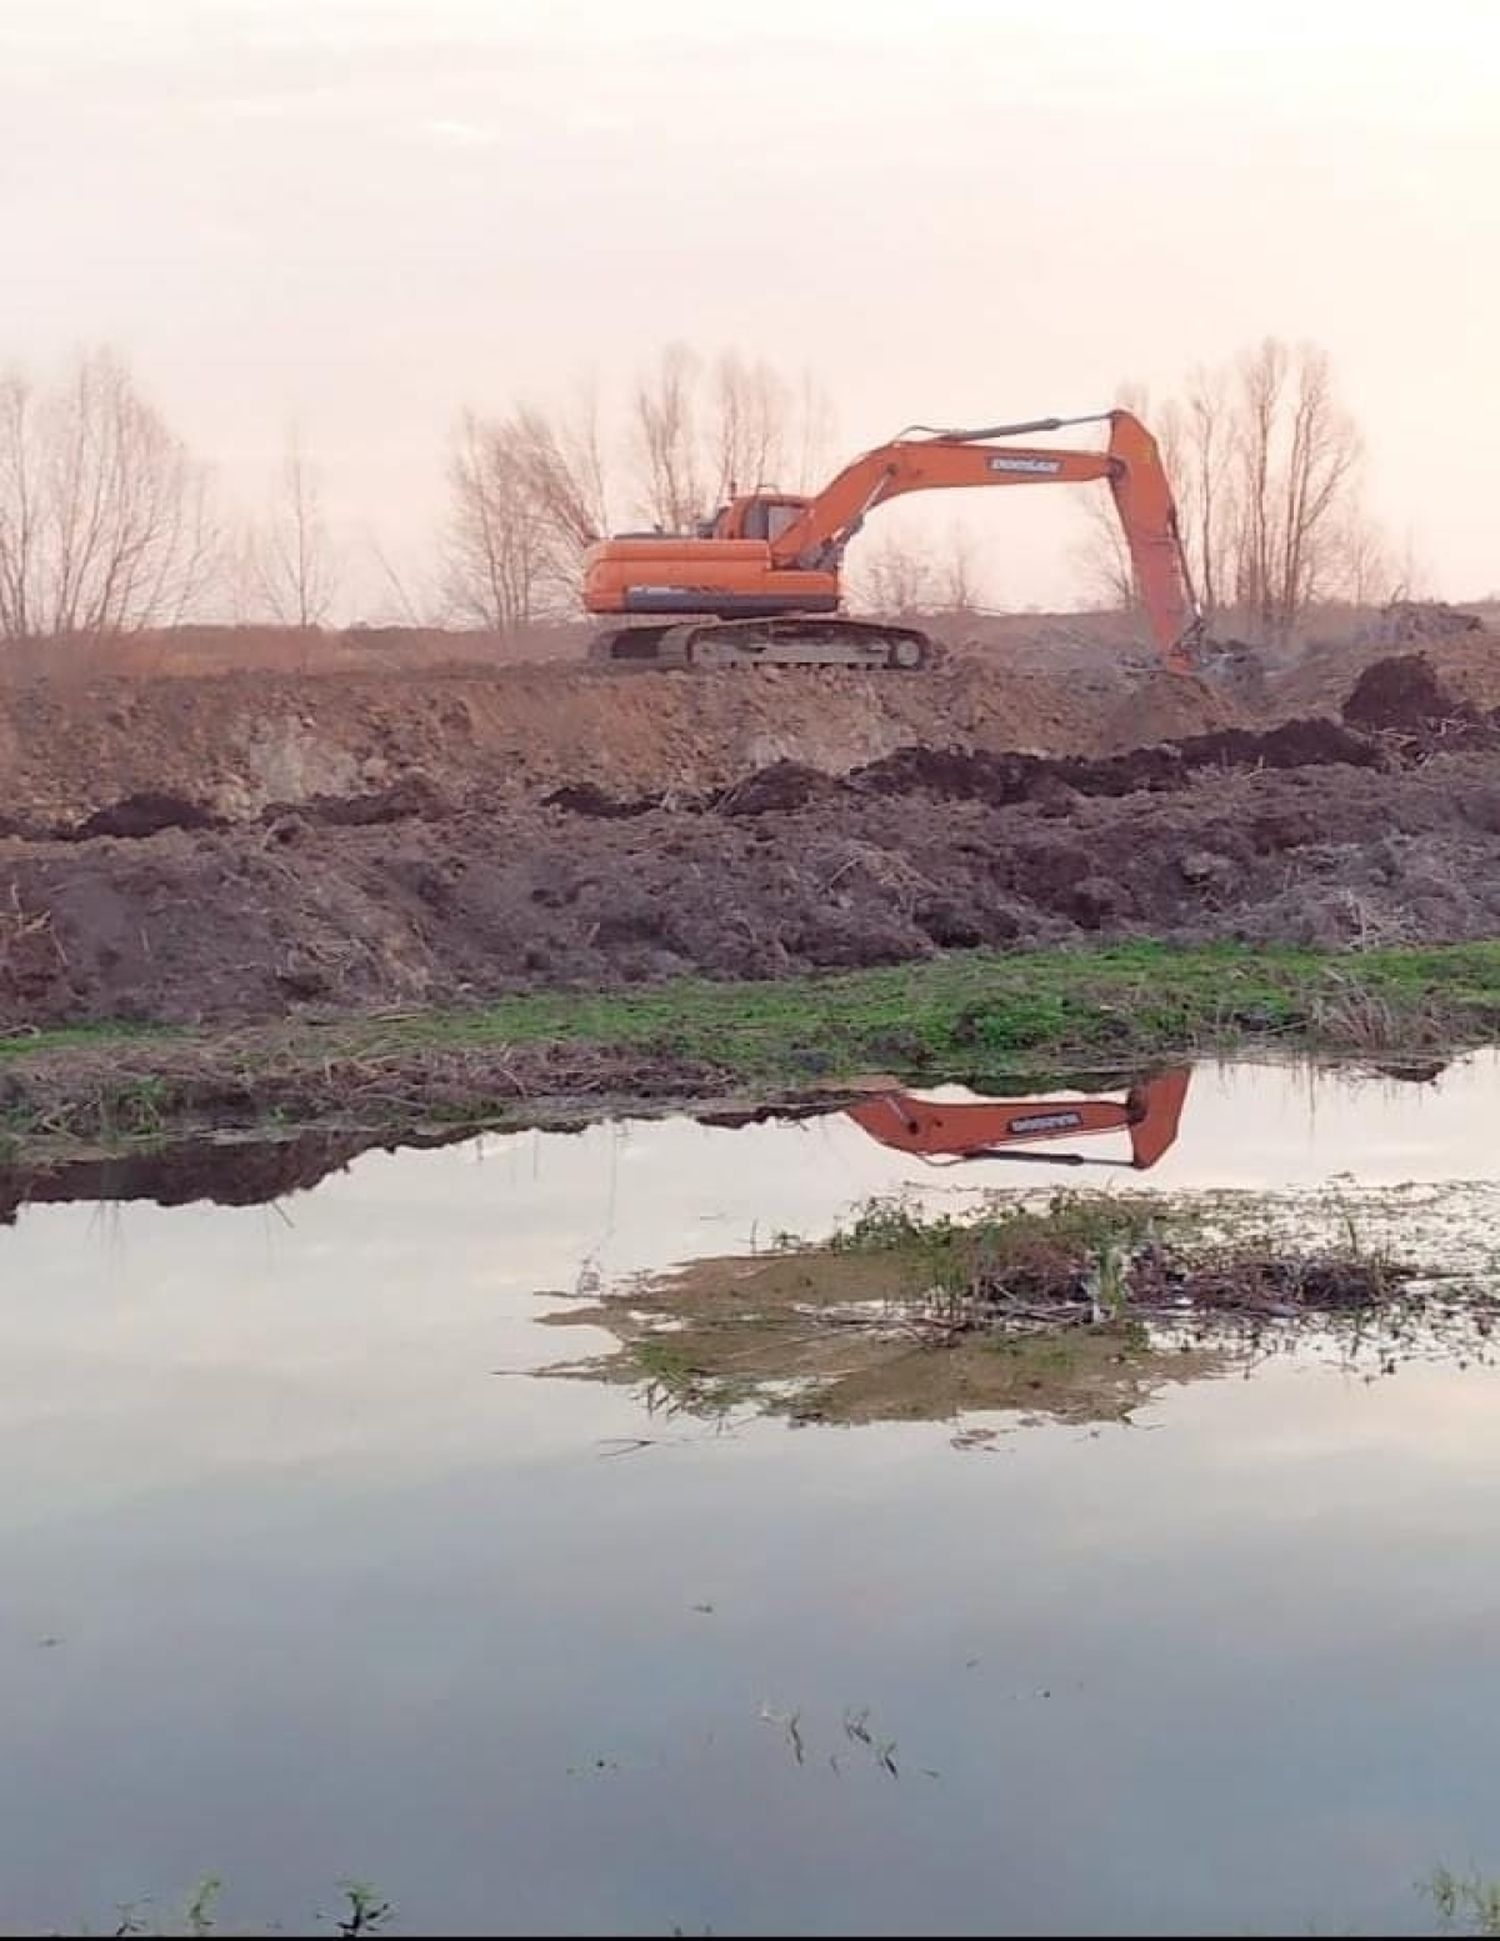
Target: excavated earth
(237,743)
(242,848)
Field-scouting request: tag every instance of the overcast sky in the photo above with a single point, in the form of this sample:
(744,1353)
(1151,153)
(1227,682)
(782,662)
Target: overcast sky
(365,214)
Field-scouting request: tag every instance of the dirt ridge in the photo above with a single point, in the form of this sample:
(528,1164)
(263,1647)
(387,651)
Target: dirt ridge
(1398,712)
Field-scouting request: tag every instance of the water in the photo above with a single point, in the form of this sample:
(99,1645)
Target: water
(306,1576)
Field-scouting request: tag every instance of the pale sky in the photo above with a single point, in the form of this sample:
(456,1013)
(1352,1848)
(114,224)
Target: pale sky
(366,214)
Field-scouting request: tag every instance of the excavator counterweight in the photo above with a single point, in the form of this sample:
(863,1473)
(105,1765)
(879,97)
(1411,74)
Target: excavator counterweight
(760,583)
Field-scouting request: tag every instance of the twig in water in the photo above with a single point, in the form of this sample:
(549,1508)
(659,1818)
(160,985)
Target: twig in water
(791,1724)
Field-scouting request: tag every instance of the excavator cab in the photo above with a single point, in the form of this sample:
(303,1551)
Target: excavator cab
(761,516)
(754,515)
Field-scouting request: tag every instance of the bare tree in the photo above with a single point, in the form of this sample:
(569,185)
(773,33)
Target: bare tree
(562,458)
(893,576)
(1363,569)
(1197,438)
(675,490)
(812,439)
(752,417)
(899,573)
(529,495)
(20,491)
(499,563)
(957,589)
(408,604)
(1298,454)
(1198,451)
(104,517)
(1104,555)
(291,557)
(703,433)
(532,489)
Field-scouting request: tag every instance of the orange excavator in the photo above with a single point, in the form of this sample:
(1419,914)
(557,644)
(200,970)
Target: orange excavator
(758,584)
(945,1134)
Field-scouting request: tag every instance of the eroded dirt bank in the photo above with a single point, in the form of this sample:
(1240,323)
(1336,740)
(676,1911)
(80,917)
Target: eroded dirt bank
(239,742)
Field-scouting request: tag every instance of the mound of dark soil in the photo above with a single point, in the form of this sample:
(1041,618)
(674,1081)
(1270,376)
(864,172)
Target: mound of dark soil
(587,799)
(782,786)
(411,796)
(1402,694)
(1002,779)
(146,813)
(218,925)
(956,775)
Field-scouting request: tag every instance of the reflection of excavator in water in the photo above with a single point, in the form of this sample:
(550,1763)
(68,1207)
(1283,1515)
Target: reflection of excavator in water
(945,1134)
(758,584)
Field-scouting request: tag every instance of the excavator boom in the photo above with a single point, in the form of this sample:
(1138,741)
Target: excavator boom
(768,570)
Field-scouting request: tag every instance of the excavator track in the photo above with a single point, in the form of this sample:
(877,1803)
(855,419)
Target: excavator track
(785,641)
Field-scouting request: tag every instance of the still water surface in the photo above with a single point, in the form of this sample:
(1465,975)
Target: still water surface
(306,1575)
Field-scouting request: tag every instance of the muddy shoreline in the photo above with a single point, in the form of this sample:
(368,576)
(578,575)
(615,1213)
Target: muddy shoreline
(318,1094)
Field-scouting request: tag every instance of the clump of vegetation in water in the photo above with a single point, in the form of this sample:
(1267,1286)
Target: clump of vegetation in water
(1077,1306)
(1086,1258)
(1468,1904)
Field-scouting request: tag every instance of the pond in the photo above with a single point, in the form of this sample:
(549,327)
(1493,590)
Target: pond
(309,1573)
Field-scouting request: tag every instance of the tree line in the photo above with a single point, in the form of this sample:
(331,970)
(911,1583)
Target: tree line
(109,524)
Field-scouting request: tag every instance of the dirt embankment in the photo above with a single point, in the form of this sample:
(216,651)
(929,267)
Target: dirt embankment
(233,742)
(1315,833)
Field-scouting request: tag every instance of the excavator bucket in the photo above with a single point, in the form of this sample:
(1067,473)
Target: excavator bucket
(1155,1105)
(1230,667)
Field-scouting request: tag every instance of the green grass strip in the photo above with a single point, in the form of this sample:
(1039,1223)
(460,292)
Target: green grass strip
(962,1013)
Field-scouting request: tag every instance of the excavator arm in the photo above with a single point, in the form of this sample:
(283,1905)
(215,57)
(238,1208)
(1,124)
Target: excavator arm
(1150,1113)
(815,540)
